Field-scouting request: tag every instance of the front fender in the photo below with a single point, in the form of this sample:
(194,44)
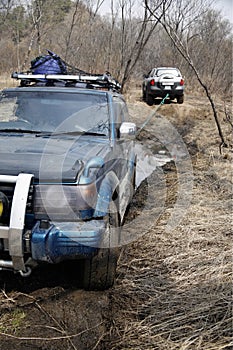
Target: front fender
(127,186)
(105,194)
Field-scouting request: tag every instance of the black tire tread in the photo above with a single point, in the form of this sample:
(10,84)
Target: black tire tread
(100,270)
(180,99)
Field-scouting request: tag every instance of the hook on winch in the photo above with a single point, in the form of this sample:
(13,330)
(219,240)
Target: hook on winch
(26,273)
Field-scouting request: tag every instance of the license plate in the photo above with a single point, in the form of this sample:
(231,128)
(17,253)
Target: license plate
(167,87)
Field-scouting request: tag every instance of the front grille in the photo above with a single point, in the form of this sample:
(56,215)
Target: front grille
(29,207)
(7,189)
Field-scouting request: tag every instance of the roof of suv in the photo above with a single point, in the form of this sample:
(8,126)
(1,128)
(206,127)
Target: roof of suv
(59,88)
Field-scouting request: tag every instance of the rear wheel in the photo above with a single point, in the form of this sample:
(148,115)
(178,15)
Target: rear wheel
(143,95)
(149,99)
(100,270)
(180,99)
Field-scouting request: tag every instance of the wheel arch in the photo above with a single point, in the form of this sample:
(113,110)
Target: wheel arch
(107,192)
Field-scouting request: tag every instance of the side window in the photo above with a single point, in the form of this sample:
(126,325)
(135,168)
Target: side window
(124,112)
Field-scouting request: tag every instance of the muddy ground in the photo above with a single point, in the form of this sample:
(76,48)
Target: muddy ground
(173,286)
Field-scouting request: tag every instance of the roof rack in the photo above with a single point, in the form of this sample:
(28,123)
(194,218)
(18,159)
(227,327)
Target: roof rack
(101,81)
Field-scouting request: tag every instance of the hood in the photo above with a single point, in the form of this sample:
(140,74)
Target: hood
(48,159)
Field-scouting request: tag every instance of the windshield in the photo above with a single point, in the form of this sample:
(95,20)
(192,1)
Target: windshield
(50,111)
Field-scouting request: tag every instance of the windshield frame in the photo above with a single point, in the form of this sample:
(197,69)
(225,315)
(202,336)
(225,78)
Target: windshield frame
(90,108)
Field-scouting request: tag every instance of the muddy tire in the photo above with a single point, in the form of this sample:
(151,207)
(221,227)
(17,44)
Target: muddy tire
(143,95)
(180,99)
(149,99)
(100,270)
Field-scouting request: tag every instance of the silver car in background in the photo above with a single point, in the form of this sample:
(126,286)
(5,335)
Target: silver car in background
(163,81)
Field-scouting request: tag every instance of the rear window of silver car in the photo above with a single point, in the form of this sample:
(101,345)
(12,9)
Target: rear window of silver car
(174,72)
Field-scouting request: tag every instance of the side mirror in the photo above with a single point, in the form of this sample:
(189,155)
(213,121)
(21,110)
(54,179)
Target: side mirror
(95,162)
(127,130)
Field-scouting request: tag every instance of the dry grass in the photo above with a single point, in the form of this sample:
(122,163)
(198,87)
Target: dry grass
(174,289)
(7,81)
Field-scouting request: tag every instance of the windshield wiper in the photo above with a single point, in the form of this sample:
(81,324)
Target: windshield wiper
(74,133)
(20,131)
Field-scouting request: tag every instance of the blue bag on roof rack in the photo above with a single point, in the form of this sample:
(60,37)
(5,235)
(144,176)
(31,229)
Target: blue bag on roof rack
(51,70)
(48,64)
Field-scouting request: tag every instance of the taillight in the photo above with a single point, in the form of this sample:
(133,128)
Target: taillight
(181,82)
(152,82)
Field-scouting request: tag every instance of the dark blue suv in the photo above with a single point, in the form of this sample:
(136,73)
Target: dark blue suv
(67,174)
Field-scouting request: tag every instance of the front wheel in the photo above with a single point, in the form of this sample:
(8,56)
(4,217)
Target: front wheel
(100,270)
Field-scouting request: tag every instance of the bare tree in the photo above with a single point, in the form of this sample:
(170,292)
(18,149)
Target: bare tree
(211,51)
(145,27)
(178,23)
(110,45)
(94,6)
(72,25)
(5,8)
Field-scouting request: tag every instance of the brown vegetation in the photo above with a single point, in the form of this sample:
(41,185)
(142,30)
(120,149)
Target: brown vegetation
(128,41)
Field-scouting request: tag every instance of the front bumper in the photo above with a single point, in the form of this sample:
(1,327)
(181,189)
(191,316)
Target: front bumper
(66,240)
(24,242)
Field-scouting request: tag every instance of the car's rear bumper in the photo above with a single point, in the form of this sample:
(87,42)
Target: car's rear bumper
(158,92)
(66,240)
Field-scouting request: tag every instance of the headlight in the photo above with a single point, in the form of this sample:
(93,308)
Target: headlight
(63,201)
(4,206)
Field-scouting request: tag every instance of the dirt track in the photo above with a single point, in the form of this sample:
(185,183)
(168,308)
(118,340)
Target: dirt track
(173,287)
